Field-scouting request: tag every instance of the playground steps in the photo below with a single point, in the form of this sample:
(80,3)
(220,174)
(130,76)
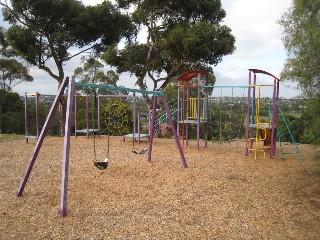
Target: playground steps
(263,132)
(267,137)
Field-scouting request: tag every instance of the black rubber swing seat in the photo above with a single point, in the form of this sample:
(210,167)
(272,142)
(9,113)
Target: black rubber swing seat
(102,165)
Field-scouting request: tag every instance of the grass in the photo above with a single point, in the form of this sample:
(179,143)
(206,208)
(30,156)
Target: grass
(10,137)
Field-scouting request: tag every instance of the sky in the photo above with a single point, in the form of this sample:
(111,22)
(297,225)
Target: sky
(258,45)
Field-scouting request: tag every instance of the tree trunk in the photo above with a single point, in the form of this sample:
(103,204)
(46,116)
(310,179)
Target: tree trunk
(62,112)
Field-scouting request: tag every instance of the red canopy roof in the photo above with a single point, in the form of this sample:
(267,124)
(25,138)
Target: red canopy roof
(263,72)
(189,75)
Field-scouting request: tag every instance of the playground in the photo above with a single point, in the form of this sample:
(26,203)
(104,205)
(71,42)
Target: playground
(255,182)
(223,194)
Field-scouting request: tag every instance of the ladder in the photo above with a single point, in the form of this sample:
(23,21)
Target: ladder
(282,152)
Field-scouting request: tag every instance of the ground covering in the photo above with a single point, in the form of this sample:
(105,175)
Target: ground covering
(221,195)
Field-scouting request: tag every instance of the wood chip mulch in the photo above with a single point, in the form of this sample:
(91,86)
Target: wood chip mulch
(221,195)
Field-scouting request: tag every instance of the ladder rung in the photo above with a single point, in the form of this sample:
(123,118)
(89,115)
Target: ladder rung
(290,153)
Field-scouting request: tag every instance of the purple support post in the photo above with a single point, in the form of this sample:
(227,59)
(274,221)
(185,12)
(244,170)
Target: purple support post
(138,128)
(187,116)
(199,112)
(87,114)
(273,131)
(206,115)
(254,98)
(153,116)
(276,117)
(26,122)
(41,137)
(66,151)
(134,117)
(75,115)
(166,106)
(248,115)
(99,123)
(178,111)
(37,115)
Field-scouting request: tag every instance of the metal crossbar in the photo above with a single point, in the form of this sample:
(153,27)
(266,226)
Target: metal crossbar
(90,85)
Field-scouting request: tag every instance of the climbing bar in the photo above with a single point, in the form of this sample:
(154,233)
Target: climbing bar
(213,86)
(90,85)
(31,94)
(261,85)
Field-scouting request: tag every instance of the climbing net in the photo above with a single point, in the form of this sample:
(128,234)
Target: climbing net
(226,117)
(116,117)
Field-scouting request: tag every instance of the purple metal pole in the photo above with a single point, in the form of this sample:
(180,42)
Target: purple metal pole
(41,137)
(99,123)
(37,115)
(273,131)
(87,114)
(166,106)
(248,115)
(153,116)
(254,98)
(134,117)
(206,115)
(276,116)
(26,123)
(75,115)
(187,116)
(178,111)
(199,113)
(66,151)
(138,128)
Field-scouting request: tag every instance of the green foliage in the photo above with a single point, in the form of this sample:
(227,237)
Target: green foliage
(4,47)
(225,123)
(12,122)
(10,137)
(304,127)
(181,36)
(301,24)
(171,92)
(11,118)
(92,72)
(44,30)
(12,73)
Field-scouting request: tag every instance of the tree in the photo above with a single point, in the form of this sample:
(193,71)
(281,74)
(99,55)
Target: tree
(4,46)
(92,72)
(11,74)
(46,31)
(181,36)
(301,24)
(11,117)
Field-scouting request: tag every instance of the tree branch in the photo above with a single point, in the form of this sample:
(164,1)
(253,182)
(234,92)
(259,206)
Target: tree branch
(46,69)
(19,19)
(72,56)
(171,74)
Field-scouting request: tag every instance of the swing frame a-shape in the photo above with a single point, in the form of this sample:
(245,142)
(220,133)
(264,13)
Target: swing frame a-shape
(70,85)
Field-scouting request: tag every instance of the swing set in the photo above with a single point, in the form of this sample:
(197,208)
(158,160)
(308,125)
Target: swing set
(70,85)
(112,117)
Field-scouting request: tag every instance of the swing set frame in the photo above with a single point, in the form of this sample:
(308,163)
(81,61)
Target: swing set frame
(70,85)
